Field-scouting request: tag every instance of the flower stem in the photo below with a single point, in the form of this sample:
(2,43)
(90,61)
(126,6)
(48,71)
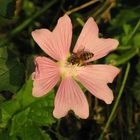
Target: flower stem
(126,57)
(116,102)
(134,31)
(80,21)
(29,20)
(101,8)
(81,7)
(26,23)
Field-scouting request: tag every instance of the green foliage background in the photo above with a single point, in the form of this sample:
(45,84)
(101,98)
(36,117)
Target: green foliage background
(24,117)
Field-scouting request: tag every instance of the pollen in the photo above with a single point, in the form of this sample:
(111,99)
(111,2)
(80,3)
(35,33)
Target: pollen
(67,69)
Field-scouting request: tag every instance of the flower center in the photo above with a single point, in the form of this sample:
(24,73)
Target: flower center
(68,69)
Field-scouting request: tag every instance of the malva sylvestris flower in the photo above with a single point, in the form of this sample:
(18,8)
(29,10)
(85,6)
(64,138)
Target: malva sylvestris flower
(94,77)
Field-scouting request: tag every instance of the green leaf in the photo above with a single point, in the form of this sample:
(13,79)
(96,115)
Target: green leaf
(24,128)
(11,70)
(7,110)
(124,40)
(19,120)
(38,106)
(123,18)
(5,136)
(46,136)
(7,8)
(30,65)
(3,53)
(24,96)
(11,75)
(27,113)
(29,7)
(37,113)
(136,40)
(111,59)
(2,99)
(42,110)
(127,28)
(124,57)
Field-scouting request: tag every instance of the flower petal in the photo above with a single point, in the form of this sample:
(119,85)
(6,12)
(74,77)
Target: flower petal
(101,47)
(45,76)
(89,41)
(89,32)
(57,43)
(63,36)
(70,97)
(44,38)
(95,79)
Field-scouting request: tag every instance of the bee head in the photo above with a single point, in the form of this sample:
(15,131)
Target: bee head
(73,58)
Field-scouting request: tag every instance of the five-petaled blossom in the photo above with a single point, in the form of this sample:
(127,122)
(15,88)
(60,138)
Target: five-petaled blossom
(92,76)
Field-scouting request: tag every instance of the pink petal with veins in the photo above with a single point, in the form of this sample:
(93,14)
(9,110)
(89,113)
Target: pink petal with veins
(95,79)
(88,33)
(70,97)
(89,41)
(101,47)
(57,43)
(45,76)
(63,36)
(44,38)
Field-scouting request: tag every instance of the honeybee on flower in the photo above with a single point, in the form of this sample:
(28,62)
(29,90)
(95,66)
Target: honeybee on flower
(70,68)
(80,57)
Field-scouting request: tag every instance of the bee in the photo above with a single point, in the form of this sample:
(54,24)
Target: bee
(80,57)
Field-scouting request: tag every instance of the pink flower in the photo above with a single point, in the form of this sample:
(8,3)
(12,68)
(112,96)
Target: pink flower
(94,77)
